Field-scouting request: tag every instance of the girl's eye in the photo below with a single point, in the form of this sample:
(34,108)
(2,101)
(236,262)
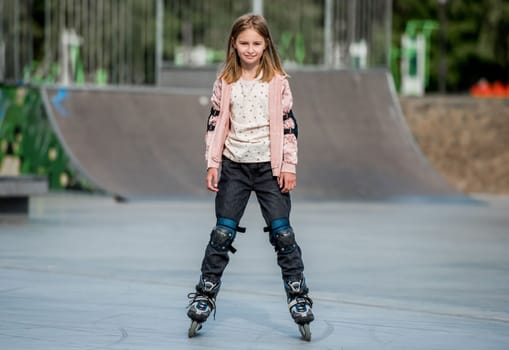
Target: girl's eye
(255,43)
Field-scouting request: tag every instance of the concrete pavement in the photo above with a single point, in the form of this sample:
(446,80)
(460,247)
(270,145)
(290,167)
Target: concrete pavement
(86,272)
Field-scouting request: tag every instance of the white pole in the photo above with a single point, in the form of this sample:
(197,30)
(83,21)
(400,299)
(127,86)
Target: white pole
(327,45)
(257,7)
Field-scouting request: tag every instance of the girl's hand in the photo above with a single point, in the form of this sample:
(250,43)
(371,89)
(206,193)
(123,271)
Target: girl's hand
(287,182)
(212,178)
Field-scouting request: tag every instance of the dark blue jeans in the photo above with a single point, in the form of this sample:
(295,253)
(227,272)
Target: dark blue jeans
(236,183)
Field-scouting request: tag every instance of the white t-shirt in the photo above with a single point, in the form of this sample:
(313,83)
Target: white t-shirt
(248,139)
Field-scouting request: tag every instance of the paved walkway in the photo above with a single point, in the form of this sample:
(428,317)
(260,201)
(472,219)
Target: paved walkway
(88,273)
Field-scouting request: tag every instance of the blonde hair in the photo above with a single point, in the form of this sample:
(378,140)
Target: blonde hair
(270,63)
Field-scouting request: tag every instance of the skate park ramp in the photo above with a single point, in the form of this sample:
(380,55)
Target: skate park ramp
(133,142)
(354,142)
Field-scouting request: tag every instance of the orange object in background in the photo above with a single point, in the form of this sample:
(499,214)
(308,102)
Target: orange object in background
(485,89)
(498,89)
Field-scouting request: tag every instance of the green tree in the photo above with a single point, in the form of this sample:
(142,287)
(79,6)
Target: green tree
(478,41)
(477,38)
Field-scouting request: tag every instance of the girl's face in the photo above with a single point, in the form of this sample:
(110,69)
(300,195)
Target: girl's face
(250,46)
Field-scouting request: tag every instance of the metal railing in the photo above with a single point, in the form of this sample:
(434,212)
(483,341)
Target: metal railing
(130,41)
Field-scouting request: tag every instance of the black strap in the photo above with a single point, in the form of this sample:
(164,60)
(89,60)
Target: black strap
(295,129)
(288,115)
(213,113)
(238,229)
(231,224)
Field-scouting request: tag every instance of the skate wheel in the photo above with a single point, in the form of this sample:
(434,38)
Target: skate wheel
(193,329)
(305,331)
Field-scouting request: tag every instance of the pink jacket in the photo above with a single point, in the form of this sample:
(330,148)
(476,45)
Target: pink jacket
(282,125)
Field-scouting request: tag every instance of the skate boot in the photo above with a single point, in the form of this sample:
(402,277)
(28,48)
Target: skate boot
(300,304)
(202,304)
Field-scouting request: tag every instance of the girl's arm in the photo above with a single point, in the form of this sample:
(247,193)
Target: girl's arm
(291,131)
(212,173)
(215,99)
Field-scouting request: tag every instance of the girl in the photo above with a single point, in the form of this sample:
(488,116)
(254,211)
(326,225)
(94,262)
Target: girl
(252,136)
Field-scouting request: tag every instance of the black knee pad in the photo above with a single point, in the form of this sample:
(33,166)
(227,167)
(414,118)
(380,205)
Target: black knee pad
(221,238)
(282,236)
(223,235)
